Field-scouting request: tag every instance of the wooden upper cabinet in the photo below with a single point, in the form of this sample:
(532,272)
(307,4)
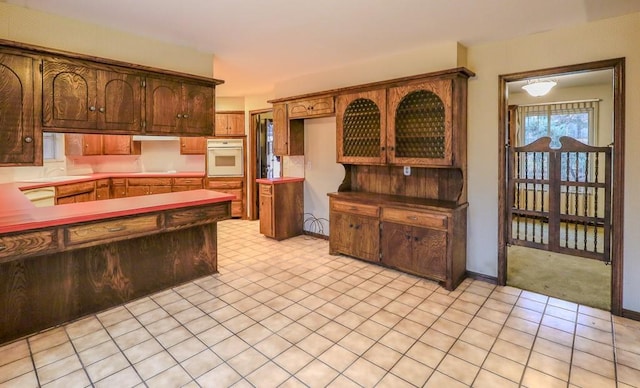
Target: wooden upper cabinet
(419,117)
(20,132)
(193,145)
(176,107)
(288,135)
(94,144)
(69,95)
(85,98)
(361,128)
(120,145)
(229,124)
(280,129)
(119,102)
(315,107)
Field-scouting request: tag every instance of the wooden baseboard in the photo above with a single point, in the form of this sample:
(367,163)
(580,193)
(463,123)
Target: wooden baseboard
(485,278)
(635,315)
(316,235)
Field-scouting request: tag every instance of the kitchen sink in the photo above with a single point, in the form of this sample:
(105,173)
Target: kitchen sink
(59,178)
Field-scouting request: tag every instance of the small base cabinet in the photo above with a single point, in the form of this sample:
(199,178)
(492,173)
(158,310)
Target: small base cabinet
(354,230)
(419,236)
(281,207)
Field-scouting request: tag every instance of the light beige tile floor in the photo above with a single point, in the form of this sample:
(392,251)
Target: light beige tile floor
(288,314)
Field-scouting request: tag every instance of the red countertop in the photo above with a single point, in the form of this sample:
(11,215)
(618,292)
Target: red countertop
(275,181)
(17,213)
(33,184)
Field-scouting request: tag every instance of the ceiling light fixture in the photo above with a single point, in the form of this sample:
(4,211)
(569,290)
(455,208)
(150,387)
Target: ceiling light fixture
(537,88)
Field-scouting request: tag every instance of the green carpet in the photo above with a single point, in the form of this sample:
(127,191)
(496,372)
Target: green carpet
(571,278)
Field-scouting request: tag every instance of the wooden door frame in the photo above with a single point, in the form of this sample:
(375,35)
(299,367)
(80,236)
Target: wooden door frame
(617,213)
(252,185)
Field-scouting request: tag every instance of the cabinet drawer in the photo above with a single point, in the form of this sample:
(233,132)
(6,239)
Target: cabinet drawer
(118,181)
(111,230)
(355,208)
(149,181)
(427,220)
(25,244)
(75,188)
(236,192)
(266,189)
(102,183)
(187,181)
(197,216)
(218,185)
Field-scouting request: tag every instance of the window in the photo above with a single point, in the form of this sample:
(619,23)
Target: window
(52,146)
(574,119)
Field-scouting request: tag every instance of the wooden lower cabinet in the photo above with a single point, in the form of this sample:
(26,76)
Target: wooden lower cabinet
(281,209)
(234,186)
(417,250)
(418,236)
(103,189)
(355,235)
(147,186)
(75,192)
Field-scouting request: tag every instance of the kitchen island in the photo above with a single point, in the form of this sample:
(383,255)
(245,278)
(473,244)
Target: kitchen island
(63,262)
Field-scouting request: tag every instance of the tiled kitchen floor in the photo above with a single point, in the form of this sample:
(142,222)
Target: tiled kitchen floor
(289,314)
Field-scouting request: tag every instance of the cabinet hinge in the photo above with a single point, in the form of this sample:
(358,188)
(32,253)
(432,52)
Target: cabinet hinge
(143,84)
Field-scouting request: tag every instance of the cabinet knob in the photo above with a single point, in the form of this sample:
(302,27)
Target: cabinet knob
(28,139)
(101,110)
(382,148)
(351,225)
(186,116)
(416,239)
(92,108)
(179,116)
(392,148)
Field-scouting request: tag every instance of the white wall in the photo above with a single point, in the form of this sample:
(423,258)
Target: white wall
(612,38)
(322,174)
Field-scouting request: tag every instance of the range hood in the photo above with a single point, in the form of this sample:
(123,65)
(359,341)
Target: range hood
(155,138)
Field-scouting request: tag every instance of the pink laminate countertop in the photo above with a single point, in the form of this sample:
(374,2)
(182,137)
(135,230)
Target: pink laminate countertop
(18,214)
(275,181)
(33,184)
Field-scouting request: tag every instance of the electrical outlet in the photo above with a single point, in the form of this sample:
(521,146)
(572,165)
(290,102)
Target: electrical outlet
(407,170)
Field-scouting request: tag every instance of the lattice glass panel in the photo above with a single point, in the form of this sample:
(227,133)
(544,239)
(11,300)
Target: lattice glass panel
(361,129)
(420,131)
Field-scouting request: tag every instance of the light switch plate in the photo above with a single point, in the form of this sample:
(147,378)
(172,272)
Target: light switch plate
(407,170)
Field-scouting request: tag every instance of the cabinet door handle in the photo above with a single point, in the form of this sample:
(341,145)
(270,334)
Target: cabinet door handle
(116,229)
(92,108)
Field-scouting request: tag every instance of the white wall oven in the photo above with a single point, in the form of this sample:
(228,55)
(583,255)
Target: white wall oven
(224,157)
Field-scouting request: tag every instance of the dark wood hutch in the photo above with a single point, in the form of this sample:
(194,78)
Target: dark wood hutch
(403,143)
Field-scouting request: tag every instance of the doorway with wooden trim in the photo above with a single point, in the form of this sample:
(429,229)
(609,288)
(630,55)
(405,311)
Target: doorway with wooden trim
(561,182)
(263,162)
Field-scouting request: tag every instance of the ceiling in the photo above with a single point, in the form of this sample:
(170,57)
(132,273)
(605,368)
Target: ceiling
(257,43)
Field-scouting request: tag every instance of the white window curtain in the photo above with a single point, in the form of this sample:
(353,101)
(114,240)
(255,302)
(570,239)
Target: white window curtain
(577,119)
